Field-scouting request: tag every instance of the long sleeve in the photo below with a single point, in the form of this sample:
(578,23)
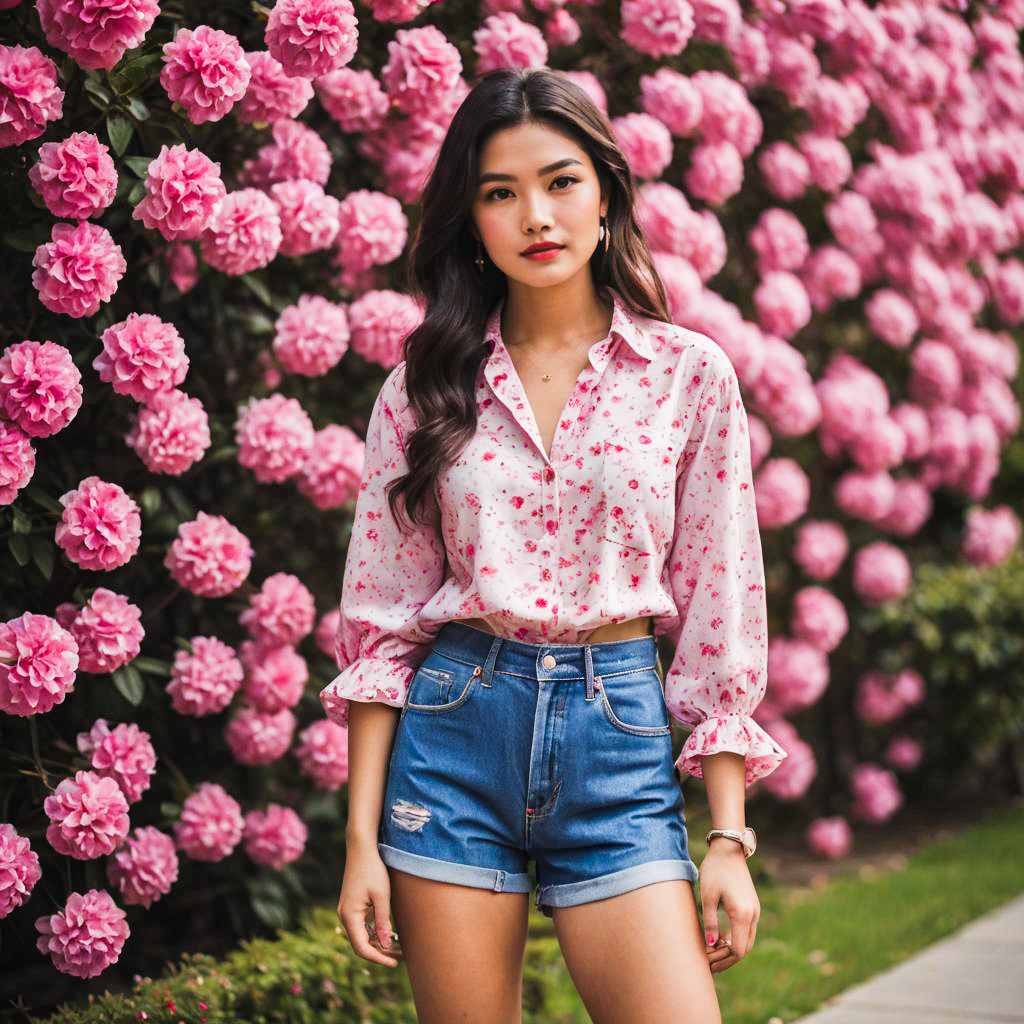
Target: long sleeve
(718,673)
(389,575)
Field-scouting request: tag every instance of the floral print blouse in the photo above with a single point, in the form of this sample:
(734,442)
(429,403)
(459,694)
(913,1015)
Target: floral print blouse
(643,507)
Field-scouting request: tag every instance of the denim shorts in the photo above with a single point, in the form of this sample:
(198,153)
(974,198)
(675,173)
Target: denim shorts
(511,755)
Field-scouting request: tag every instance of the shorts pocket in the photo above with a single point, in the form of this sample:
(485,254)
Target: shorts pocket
(437,688)
(634,703)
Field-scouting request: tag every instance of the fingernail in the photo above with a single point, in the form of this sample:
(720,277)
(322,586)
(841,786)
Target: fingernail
(709,938)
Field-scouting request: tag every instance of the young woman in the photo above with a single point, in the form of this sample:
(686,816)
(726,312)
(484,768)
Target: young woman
(555,474)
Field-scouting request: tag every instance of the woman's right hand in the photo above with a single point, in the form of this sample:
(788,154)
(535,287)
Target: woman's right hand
(366,894)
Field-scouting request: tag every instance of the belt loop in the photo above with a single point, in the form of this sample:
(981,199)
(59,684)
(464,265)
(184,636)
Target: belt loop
(492,657)
(588,661)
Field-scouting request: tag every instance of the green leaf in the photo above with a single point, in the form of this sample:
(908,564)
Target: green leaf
(170,810)
(137,108)
(184,643)
(42,555)
(136,193)
(129,684)
(21,523)
(138,164)
(40,497)
(26,239)
(99,94)
(119,131)
(257,287)
(18,544)
(274,915)
(154,666)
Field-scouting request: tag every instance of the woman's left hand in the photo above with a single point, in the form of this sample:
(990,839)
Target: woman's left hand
(724,878)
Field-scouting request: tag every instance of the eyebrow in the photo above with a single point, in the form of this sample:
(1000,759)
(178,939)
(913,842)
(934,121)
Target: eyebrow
(557,165)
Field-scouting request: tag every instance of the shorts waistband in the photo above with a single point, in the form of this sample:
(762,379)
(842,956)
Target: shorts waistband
(457,640)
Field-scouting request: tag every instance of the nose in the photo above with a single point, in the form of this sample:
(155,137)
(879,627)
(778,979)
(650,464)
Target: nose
(536,215)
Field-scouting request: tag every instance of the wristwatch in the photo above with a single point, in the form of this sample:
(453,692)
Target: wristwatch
(747,838)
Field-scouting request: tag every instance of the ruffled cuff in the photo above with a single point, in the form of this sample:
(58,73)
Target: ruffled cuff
(737,733)
(380,680)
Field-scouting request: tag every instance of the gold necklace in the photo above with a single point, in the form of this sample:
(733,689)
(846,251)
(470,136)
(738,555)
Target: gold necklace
(546,376)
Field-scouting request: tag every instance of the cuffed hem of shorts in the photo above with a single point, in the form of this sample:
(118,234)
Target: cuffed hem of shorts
(451,871)
(572,894)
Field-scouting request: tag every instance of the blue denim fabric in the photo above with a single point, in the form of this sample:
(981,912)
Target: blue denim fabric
(508,752)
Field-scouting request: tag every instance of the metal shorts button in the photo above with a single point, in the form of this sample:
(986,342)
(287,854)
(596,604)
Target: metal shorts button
(549,661)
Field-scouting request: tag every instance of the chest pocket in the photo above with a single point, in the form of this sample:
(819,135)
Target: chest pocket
(638,493)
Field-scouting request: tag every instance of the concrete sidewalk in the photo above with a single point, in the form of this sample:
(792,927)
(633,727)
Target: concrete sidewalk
(975,976)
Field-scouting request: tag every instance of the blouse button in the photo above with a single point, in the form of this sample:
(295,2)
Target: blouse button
(549,661)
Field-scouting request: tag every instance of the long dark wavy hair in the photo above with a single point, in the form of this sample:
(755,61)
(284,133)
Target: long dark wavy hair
(445,352)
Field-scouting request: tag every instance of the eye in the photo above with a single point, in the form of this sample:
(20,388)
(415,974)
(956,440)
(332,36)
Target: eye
(562,177)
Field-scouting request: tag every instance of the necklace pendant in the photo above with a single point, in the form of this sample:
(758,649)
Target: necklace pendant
(546,377)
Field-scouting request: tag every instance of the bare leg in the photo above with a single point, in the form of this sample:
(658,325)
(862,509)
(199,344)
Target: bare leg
(639,958)
(464,949)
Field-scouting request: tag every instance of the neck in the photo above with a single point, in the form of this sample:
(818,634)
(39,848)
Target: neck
(556,319)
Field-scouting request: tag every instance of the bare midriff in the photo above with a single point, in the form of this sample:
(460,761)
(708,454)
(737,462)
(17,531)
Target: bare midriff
(609,632)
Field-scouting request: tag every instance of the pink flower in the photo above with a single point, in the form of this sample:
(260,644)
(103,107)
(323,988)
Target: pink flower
(280,612)
(331,474)
(108,631)
(892,317)
(205,680)
(380,320)
(124,754)
(715,172)
(782,303)
(865,495)
(797,673)
(243,233)
(881,572)
(830,837)
(204,70)
(38,661)
(828,159)
(780,241)
(181,266)
(100,527)
(880,445)
(323,754)
(913,421)
(311,336)
(144,867)
(274,837)
(312,37)
(309,217)
(19,869)
(991,535)
(728,114)
(96,34)
(785,170)
(170,433)
(17,461)
(183,188)
(782,491)
(259,737)
(86,937)
(878,699)
(296,152)
(903,753)
(274,435)
(88,815)
(323,635)
(142,356)
(422,67)
(397,10)
(209,557)
(877,794)
(29,94)
(645,142)
(275,675)
(506,41)
(353,98)
(673,99)
(77,270)
(562,29)
(372,229)
(791,779)
(819,618)
(210,825)
(794,67)
(911,508)
(271,93)
(1008,286)
(658,28)
(830,273)
(76,177)
(40,387)
(935,374)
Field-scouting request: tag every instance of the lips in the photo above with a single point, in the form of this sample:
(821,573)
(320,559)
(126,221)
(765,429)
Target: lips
(540,248)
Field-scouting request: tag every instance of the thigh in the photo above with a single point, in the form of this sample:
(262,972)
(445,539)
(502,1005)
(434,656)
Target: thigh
(463,948)
(638,958)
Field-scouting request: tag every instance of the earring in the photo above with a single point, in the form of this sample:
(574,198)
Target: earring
(604,233)
(479,257)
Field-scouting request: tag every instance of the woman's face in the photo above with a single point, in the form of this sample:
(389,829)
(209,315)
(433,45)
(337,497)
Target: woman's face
(537,185)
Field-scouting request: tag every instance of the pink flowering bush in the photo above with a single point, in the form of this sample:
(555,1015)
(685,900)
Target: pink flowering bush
(203,263)
(76,178)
